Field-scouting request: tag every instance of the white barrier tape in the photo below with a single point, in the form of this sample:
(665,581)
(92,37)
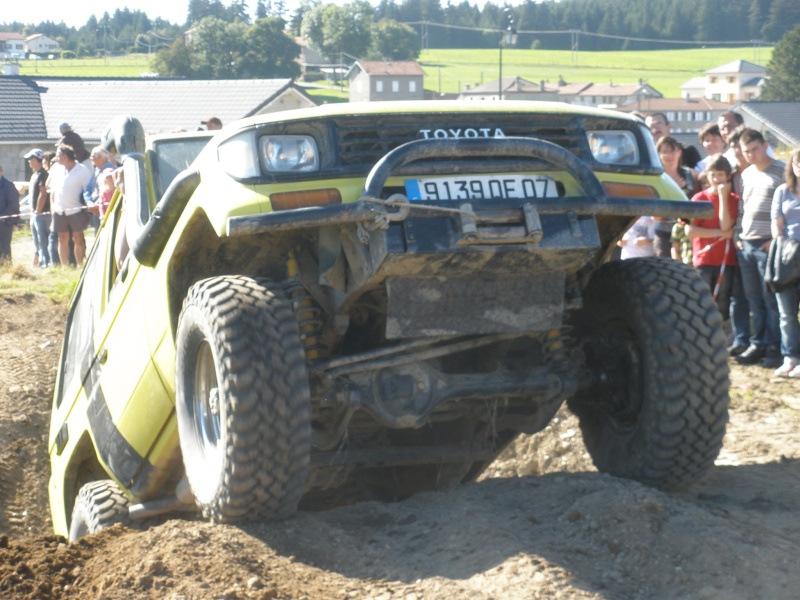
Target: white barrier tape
(69,211)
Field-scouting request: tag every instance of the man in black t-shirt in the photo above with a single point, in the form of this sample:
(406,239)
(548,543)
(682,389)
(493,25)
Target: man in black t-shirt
(40,208)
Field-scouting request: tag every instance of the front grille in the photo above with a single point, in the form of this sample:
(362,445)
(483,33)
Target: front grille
(361,141)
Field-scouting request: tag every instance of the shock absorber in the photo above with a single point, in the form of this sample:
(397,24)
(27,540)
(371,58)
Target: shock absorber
(305,309)
(558,344)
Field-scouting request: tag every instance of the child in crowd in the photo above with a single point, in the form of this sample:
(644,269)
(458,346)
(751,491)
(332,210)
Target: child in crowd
(638,240)
(712,243)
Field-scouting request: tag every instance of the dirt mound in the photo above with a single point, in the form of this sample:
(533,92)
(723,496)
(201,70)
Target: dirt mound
(541,523)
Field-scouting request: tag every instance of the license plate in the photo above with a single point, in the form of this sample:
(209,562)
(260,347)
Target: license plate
(481,187)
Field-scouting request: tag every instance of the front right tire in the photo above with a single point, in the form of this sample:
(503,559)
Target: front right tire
(652,335)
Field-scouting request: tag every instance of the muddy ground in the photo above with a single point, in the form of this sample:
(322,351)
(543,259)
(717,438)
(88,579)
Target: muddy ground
(542,523)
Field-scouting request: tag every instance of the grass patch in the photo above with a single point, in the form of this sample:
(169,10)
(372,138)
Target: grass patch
(21,278)
(131,65)
(448,70)
(328,94)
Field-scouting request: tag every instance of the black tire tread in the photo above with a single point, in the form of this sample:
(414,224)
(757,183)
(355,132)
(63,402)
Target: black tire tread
(685,406)
(99,504)
(264,384)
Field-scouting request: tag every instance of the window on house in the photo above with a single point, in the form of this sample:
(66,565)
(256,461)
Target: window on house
(716,97)
(395,86)
(412,86)
(379,86)
(731,79)
(712,80)
(700,116)
(688,116)
(672,116)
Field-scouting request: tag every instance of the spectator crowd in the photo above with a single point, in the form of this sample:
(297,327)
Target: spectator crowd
(748,252)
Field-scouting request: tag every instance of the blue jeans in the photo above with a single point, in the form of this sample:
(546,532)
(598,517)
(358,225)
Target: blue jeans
(40,228)
(763,304)
(52,247)
(788,304)
(740,311)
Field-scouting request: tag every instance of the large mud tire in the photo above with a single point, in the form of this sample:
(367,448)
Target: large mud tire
(242,400)
(99,504)
(652,333)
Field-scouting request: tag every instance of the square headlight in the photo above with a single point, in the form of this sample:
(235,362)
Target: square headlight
(289,153)
(614,147)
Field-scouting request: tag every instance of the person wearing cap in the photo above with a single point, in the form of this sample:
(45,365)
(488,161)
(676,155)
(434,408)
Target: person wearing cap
(212,123)
(40,208)
(9,215)
(74,141)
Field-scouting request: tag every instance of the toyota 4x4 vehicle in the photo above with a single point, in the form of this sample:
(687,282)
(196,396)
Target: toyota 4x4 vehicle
(368,301)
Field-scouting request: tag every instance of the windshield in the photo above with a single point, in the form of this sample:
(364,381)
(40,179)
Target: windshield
(174,156)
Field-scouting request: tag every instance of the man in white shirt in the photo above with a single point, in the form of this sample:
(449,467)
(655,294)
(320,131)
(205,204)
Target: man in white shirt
(68,180)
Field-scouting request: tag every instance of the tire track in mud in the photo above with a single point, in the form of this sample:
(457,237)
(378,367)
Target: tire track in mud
(31,328)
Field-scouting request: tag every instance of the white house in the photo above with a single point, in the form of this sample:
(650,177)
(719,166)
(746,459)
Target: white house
(38,43)
(12,44)
(372,81)
(737,81)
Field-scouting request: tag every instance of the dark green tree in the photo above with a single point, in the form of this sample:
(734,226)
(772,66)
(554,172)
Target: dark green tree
(783,70)
(175,61)
(783,15)
(217,48)
(334,29)
(261,9)
(394,41)
(270,52)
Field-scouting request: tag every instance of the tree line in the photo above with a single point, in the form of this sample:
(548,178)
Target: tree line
(604,25)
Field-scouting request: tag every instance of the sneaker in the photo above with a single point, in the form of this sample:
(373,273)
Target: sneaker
(736,349)
(772,359)
(794,373)
(788,366)
(751,356)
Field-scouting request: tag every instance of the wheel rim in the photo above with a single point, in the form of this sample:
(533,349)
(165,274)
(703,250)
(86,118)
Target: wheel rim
(206,409)
(614,356)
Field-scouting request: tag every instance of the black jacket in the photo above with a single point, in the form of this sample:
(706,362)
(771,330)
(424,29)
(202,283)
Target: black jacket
(9,201)
(783,264)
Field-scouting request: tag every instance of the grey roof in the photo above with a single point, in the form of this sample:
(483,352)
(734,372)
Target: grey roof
(754,82)
(162,105)
(737,66)
(21,116)
(783,118)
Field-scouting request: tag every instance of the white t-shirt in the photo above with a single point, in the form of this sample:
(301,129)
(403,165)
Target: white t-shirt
(66,188)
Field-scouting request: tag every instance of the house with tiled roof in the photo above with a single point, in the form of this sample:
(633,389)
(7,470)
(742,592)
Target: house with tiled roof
(511,88)
(375,81)
(778,121)
(38,43)
(32,108)
(685,115)
(612,95)
(736,81)
(12,45)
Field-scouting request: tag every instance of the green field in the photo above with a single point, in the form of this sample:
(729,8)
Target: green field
(449,71)
(132,65)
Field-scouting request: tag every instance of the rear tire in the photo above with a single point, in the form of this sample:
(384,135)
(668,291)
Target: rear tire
(242,400)
(99,504)
(652,331)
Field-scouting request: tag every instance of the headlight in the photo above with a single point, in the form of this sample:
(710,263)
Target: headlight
(614,147)
(289,153)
